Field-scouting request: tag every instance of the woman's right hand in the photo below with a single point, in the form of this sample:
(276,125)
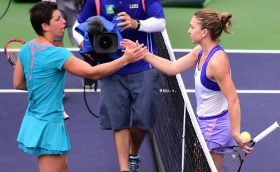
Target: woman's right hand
(242,144)
(133,50)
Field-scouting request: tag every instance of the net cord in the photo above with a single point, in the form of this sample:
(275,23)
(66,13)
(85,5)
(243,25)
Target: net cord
(188,106)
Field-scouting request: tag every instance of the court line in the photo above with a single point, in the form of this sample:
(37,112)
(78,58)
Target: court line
(247,91)
(187,90)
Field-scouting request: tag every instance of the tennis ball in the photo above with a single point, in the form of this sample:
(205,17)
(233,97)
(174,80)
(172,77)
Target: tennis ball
(246,136)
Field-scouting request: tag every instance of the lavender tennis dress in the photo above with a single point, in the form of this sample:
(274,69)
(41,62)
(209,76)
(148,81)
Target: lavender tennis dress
(212,107)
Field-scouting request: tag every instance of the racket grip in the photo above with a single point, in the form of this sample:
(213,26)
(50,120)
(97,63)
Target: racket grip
(65,116)
(266,132)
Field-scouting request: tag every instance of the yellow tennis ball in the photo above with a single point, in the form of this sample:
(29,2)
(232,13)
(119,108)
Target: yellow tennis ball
(246,136)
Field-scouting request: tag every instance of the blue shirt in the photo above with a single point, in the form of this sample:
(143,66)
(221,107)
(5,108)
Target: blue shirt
(45,77)
(135,10)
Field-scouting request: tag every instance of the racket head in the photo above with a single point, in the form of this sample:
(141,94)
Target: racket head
(12,48)
(230,158)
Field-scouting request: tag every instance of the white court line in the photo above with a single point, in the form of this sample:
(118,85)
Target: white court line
(65,90)
(247,91)
(187,90)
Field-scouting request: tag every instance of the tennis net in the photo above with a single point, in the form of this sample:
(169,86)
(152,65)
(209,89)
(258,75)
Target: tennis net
(177,141)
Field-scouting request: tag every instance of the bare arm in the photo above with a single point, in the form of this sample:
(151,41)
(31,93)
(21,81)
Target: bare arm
(19,81)
(80,68)
(171,67)
(219,70)
(174,67)
(166,66)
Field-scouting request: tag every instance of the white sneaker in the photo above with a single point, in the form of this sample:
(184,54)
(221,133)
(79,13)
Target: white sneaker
(65,116)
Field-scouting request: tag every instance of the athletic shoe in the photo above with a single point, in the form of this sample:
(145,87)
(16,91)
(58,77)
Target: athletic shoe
(65,116)
(134,163)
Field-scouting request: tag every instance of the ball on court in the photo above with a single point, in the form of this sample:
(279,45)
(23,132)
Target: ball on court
(246,136)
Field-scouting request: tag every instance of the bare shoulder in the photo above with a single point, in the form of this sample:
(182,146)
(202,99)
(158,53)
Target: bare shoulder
(219,59)
(219,66)
(194,52)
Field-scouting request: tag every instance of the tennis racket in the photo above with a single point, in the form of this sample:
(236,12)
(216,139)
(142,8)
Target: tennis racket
(6,9)
(11,50)
(231,158)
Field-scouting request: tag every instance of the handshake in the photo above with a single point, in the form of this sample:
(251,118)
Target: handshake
(133,51)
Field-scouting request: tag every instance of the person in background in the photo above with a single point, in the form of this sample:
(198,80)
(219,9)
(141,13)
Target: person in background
(129,97)
(218,107)
(70,13)
(41,71)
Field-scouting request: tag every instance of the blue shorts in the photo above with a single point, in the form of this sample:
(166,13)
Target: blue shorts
(216,131)
(129,100)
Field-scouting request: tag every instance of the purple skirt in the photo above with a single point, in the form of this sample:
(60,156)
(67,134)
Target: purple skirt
(216,130)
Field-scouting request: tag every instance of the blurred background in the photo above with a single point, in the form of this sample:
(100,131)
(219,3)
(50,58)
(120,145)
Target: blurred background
(256,22)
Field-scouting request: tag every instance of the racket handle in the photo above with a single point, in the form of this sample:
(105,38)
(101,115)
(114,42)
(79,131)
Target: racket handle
(65,116)
(266,132)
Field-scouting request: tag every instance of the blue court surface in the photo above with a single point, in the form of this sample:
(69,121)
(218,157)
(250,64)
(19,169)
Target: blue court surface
(256,75)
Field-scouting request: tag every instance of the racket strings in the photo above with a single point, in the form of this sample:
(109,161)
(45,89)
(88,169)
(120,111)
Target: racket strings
(12,48)
(230,159)
(231,162)
(13,56)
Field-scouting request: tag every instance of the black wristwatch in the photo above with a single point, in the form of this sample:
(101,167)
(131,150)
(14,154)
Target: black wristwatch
(138,24)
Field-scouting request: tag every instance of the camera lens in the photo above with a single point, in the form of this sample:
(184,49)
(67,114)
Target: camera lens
(105,42)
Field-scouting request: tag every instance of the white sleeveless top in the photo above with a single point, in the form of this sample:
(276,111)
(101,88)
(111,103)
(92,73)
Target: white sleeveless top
(209,98)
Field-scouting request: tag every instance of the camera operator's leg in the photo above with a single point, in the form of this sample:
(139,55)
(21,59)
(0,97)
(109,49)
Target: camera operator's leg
(137,137)
(115,113)
(144,89)
(122,140)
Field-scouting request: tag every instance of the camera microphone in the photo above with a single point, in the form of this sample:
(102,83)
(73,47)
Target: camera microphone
(94,26)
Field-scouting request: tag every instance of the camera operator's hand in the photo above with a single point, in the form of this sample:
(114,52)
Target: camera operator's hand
(128,21)
(133,50)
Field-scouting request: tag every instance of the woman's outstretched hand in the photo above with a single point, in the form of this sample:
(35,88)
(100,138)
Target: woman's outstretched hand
(133,50)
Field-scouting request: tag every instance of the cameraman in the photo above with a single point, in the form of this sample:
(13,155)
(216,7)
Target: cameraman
(129,97)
